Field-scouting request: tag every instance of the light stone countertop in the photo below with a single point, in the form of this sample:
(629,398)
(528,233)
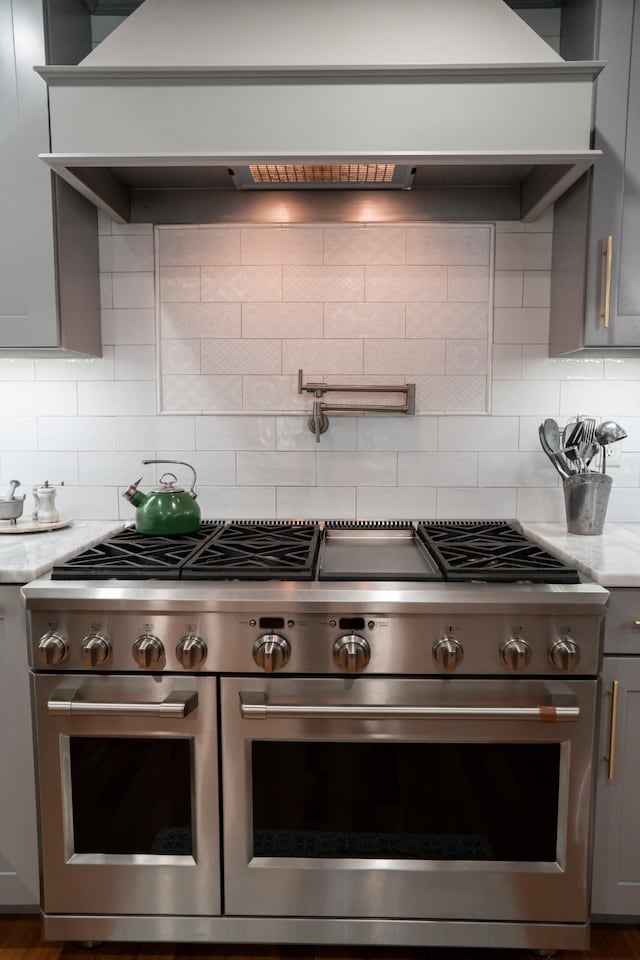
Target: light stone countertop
(25,556)
(611,559)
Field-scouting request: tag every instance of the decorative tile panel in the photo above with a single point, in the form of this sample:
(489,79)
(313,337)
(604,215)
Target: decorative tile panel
(241,309)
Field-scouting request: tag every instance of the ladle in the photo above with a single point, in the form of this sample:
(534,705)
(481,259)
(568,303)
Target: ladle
(605,433)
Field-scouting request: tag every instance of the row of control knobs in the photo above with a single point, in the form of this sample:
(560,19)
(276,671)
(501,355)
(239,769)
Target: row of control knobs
(272,651)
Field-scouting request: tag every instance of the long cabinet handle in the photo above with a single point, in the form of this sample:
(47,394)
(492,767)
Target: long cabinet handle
(253,708)
(176,705)
(608,261)
(615,688)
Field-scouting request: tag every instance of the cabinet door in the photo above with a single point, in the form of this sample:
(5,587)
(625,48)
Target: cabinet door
(606,201)
(27,293)
(616,859)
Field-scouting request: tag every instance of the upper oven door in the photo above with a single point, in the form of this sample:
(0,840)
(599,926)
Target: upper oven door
(128,784)
(454,798)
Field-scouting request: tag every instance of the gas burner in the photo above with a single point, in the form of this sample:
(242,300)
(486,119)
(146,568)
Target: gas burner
(257,551)
(493,551)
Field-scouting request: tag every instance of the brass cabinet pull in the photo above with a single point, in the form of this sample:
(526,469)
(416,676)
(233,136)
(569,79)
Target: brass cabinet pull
(615,686)
(636,623)
(608,258)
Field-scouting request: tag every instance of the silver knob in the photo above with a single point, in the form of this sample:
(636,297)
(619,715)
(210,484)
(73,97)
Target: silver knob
(147,650)
(271,652)
(52,650)
(191,651)
(448,653)
(516,654)
(351,652)
(565,654)
(95,650)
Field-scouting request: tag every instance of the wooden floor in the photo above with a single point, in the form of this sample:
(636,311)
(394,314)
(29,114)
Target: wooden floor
(20,940)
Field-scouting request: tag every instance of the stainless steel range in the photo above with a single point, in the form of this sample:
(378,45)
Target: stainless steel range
(339,732)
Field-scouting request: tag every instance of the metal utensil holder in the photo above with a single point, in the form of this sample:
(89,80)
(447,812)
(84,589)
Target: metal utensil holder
(586,496)
(318,422)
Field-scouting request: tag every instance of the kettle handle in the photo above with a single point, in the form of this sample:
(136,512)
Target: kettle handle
(192,491)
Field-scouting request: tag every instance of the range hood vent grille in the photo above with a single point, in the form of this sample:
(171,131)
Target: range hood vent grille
(333,176)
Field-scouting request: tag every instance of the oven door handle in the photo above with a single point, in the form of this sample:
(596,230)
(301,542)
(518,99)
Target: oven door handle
(253,706)
(176,705)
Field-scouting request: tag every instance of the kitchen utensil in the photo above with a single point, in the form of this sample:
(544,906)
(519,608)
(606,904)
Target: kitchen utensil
(586,496)
(13,485)
(551,444)
(11,506)
(168,510)
(605,433)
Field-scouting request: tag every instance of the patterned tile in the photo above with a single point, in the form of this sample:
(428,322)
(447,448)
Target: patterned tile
(241,356)
(409,357)
(179,284)
(366,244)
(237,283)
(281,245)
(468,283)
(326,283)
(466,357)
(447,320)
(406,283)
(451,394)
(199,320)
(273,394)
(330,356)
(198,393)
(434,244)
(180,356)
(364,320)
(197,246)
(282,320)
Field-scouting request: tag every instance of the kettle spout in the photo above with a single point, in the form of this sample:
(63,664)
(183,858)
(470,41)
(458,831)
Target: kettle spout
(133,495)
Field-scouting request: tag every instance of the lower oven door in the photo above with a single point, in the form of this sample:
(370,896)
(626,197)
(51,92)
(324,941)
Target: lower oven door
(128,788)
(455,798)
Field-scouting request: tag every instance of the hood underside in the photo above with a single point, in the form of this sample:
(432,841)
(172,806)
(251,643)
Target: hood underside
(291,110)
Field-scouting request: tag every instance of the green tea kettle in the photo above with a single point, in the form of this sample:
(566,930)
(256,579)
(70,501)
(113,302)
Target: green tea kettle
(167,511)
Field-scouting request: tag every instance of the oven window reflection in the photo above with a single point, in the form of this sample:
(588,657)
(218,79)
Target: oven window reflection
(131,795)
(434,801)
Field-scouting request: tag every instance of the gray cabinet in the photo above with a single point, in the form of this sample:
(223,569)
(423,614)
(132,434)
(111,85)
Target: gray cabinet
(595,285)
(18,822)
(49,296)
(616,857)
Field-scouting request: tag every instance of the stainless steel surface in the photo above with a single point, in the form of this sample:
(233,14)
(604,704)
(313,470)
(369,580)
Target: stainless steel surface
(191,651)
(586,496)
(147,651)
(11,509)
(448,653)
(388,710)
(66,703)
(351,653)
(556,456)
(318,423)
(516,654)
(271,652)
(52,650)
(95,650)
(565,654)
(182,463)
(13,486)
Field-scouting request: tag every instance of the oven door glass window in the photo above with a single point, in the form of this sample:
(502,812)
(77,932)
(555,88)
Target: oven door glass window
(422,801)
(131,795)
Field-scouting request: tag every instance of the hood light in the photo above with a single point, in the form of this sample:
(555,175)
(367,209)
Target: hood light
(318,175)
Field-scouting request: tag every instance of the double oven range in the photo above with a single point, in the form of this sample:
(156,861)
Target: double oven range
(317,732)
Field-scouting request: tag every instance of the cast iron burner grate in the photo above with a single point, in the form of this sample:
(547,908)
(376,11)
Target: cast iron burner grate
(493,551)
(129,555)
(268,550)
(218,550)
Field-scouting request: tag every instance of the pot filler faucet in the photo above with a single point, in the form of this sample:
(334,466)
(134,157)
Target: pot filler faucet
(318,422)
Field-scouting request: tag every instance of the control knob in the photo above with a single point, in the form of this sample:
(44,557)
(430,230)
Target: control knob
(95,650)
(147,650)
(52,649)
(564,654)
(191,651)
(448,653)
(271,652)
(351,652)
(516,654)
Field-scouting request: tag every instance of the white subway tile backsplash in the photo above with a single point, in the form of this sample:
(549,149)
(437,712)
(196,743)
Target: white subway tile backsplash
(281,468)
(116,398)
(347,304)
(235,433)
(155,433)
(32,399)
(312,503)
(439,469)
(76,433)
(341,469)
(477,504)
(396,503)
(18,433)
(128,326)
(126,253)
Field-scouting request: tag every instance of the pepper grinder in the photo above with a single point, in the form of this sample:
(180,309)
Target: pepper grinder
(45,504)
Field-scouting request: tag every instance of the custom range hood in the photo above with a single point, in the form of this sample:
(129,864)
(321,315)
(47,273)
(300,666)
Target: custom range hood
(294,110)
